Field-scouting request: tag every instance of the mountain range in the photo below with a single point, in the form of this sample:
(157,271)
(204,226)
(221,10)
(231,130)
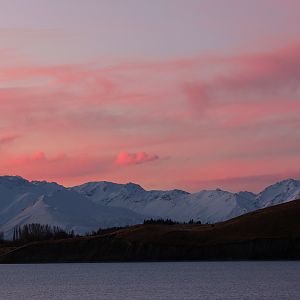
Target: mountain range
(95,205)
(271,233)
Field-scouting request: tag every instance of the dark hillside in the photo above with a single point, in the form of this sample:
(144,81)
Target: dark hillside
(270,233)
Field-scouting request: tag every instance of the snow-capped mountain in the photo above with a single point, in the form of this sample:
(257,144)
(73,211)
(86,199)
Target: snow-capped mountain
(279,192)
(131,196)
(207,205)
(105,204)
(23,202)
(17,194)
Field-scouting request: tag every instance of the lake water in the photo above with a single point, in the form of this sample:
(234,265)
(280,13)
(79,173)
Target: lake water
(169,280)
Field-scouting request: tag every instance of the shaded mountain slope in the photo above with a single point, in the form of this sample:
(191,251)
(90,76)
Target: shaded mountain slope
(24,202)
(72,211)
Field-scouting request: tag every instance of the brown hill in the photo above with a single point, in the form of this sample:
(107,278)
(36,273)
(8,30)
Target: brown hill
(270,233)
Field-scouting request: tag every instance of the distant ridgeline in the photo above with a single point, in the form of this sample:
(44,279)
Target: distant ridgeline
(93,205)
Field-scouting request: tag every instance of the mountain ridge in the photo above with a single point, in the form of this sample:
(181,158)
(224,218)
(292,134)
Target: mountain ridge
(105,204)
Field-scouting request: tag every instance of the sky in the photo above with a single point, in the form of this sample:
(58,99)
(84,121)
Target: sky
(187,94)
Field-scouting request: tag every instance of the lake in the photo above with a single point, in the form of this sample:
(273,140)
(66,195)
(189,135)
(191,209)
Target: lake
(166,280)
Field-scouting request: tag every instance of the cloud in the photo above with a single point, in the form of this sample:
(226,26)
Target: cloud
(7,138)
(60,166)
(128,94)
(38,156)
(216,111)
(125,158)
(251,77)
(197,94)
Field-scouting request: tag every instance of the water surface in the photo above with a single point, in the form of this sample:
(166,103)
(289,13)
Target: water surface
(169,280)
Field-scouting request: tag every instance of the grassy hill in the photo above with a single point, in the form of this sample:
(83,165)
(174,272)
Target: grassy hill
(270,233)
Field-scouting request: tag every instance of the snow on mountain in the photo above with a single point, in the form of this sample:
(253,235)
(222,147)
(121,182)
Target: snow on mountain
(131,196)
(247,195)
(17,193)
(72,211)
(210,206)
(206,206)
(280,192)
(23,202)
(105,204)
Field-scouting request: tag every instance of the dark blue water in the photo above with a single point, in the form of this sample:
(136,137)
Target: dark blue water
(172,280)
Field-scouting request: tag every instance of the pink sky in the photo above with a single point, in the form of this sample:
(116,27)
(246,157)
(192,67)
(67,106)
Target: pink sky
(167,94)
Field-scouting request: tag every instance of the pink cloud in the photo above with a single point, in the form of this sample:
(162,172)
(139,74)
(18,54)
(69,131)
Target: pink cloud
(201,111)
(7,138)
(38,165)
(197,95)
(125,158)
(38,156)
(246,78)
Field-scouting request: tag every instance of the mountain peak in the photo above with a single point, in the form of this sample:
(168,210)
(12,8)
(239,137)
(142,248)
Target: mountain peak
(133,186)
(283,184)
(288,182)
(246,195)
(44,183)
(182,192)
(282,191)
(13,180)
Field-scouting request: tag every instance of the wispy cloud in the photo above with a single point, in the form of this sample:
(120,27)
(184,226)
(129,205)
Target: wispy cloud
(8,138)
(199,110)
(125,158)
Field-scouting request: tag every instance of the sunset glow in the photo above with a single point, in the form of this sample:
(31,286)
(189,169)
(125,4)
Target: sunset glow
(167,99)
